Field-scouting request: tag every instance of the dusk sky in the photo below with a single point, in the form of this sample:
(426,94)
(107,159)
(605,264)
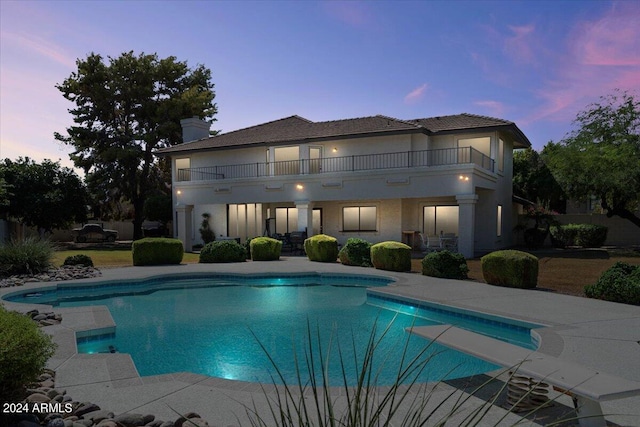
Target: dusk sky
(536,63)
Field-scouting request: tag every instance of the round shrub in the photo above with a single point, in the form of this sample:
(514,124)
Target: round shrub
(247,248)
(265,249)
(321,248)
(79,259)
(223,251)
(620,283)
(24,350)
(445,264)
(514,269)
(356,252)
(392,256)
(157,251)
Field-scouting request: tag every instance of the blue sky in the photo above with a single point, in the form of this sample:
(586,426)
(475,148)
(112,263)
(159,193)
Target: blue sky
(536,63)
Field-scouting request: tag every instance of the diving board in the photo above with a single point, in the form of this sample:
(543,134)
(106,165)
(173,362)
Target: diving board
(588,386)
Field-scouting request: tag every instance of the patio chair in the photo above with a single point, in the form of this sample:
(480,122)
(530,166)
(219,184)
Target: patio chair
(429,243)
(297,238)
(449,241)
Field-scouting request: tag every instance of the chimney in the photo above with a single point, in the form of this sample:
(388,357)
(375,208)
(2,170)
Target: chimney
(194,129)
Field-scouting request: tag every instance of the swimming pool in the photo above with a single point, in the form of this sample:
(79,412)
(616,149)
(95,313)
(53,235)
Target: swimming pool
(216,324)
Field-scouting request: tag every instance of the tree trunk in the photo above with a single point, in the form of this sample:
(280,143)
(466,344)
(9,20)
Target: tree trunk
(138,219)
(624,213)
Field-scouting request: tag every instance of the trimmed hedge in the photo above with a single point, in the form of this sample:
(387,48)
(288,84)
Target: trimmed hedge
(356,252)
(79,259)
(514,269)
(321,248)
(265,249)
(392,256)
(24,351)
(585,235)
(445,264)
(222,251)
(620,283)
(157,251)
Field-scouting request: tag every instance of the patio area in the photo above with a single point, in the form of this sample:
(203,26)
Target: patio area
(601,335)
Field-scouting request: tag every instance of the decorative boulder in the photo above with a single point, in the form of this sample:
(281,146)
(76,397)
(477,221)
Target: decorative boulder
(514,269)
(392,256)
(321,248)
(157,251)
(265,249)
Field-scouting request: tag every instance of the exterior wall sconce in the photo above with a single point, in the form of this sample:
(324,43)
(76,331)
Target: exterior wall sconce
(179,192)
(335,149)
(463,178)
(299,187)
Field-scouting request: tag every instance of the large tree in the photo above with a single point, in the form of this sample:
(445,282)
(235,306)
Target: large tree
(532,180)
(601,157)
(43,195)
(126,109)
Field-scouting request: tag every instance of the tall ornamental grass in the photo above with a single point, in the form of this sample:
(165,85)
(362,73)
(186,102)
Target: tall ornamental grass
(29,256)
(407,403)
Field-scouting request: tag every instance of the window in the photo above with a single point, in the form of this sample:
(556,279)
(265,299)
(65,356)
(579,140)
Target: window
(440,219)
(499,222)
(183,169)
(287,160)
(286,220)
(359,218)
(244,220)
(500,155)
(480,152)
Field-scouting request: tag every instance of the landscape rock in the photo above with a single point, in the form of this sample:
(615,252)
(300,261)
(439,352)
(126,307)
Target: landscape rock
(130,420)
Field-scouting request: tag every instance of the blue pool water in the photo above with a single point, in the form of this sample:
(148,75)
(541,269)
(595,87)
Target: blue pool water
(225,326)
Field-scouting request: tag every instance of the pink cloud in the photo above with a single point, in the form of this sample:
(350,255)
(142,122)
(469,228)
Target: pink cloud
(39,46)
(416,94)
(495,108)
(601,55)
(355,14)
(519,46)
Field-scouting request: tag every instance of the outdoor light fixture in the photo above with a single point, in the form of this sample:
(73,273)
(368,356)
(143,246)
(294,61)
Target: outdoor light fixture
(335,149)
(299,187)
(178,192)
(463,178)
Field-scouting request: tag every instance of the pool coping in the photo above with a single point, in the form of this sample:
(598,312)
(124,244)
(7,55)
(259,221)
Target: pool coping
(576,329)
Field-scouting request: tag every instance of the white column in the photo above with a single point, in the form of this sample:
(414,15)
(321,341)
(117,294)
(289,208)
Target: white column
(305,216)
(466,223)
(185,225)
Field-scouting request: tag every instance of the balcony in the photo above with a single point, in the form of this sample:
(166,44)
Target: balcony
(397,160)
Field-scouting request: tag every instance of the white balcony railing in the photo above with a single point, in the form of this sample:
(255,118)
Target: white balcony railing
(402,159)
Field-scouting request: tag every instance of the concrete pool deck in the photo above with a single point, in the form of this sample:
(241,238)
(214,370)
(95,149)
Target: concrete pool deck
(601,335)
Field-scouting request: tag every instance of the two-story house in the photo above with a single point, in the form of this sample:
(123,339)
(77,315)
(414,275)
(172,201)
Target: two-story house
(377,178)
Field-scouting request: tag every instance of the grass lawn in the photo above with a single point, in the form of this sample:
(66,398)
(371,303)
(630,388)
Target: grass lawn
(110,258)
(565,272)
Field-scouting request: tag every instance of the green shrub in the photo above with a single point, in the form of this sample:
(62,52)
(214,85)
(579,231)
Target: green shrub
(620,283)
(356,252)
(223,251)
(392,256)
(79,259)
(514,269)
(585,235)
(265,249)
(28,256)
(321,248)
(206,233)
(24,350)
(247,248)
(445,264)
(157,251)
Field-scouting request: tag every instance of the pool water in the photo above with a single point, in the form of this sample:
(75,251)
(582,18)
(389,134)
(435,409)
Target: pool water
(226,329)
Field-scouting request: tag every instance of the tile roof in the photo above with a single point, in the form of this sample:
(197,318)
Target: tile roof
(299,129)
